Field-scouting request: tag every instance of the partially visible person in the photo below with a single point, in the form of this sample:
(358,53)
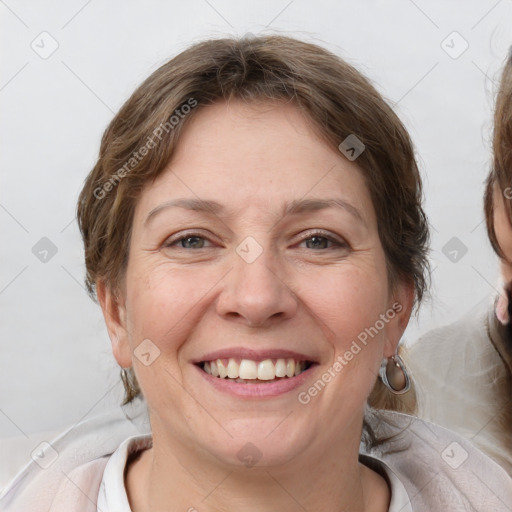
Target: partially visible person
(464,371)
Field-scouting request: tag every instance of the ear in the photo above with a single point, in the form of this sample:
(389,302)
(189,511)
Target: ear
(114,313)
(401,303)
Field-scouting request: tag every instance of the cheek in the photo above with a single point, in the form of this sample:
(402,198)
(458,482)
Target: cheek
(350,301)
(164,307)
(351,306)
(163,304)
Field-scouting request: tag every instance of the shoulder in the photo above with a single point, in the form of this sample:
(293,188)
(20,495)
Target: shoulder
(79,489)
(438,468)
(74,463)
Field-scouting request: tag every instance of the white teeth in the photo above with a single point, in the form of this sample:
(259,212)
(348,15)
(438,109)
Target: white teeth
(290,368)
(213,369)
(266,370)
(280,368)
(233,369)
(248,369)
(223,372)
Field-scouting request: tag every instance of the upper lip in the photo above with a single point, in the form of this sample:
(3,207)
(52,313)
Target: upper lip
(255,355)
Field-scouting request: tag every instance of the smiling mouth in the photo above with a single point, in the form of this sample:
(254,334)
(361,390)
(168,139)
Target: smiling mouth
(248,371)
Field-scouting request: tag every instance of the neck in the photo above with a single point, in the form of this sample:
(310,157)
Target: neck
(164,480)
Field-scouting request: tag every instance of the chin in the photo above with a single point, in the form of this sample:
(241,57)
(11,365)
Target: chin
(267,443)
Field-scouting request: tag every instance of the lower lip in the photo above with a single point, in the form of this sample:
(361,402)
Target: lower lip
(268,390)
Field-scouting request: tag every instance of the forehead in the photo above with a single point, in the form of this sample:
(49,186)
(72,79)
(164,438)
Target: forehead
(256,155)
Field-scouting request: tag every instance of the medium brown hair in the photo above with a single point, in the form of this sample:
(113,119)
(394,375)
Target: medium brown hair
(501,170)
(337,99)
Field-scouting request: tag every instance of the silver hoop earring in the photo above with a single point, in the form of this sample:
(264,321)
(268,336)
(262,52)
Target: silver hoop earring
(393,374)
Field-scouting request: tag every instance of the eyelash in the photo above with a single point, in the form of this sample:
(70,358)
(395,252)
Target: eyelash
(337,244)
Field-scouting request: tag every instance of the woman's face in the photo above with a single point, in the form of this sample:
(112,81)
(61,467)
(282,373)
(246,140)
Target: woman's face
(257,247)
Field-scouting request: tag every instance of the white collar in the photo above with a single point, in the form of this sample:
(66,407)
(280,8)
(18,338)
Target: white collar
(113,497)
(400,501)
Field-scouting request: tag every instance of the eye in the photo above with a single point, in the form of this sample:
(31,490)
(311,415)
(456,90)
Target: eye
(322,241)
(188,241)
(317,240)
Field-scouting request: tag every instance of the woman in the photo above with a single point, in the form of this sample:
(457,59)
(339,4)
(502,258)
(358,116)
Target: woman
(254,234)
(464,370)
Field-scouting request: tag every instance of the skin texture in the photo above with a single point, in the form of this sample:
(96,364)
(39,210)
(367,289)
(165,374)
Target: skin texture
(302,294)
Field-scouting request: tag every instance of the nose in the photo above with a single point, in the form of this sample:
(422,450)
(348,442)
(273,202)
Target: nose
(256,293)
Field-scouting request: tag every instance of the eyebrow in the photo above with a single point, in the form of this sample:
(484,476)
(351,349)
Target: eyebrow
(296,207)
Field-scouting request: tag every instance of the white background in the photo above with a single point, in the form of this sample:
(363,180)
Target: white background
(55,361)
